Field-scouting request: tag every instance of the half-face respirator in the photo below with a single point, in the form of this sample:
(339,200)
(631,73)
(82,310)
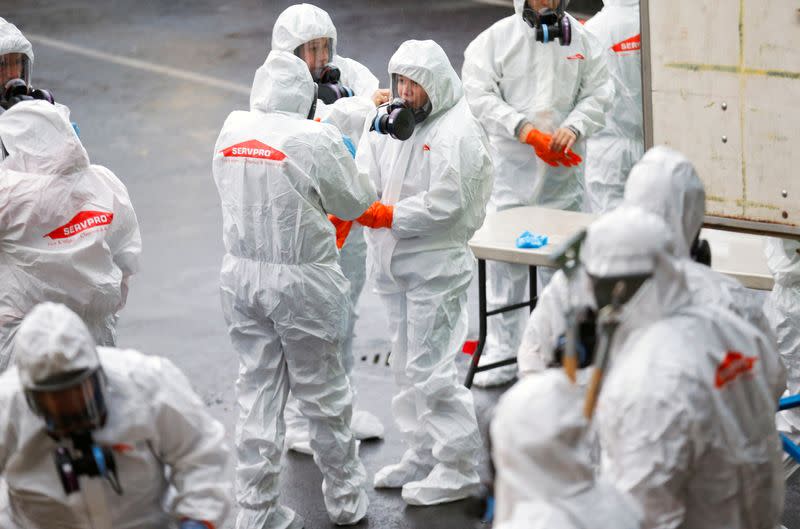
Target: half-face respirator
(330,87)
(73,405)
(549,24)
(17,90)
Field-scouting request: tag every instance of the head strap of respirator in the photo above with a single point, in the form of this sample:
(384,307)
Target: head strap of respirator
(700,251)
(313,110)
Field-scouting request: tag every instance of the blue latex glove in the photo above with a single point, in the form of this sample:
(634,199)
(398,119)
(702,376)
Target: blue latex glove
(193,524)
(488,516)
(530,240)
(349,144)
(76,128)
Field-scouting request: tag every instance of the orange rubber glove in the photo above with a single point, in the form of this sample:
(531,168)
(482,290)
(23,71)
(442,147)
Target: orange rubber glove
(541,144)
(377,216)
(342,229)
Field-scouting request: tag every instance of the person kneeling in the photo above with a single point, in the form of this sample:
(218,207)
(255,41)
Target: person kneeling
(88,434)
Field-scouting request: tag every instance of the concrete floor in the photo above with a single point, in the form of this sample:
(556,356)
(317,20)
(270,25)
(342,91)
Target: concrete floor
(150,83)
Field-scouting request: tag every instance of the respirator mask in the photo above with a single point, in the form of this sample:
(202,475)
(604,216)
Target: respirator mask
(17,90)
(330,89)
(397,118)
(72,405)
(549,24)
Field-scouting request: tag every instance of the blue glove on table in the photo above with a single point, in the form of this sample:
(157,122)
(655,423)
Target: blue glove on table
(530,240)
(193,524)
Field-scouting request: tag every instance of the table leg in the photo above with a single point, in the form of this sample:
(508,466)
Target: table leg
(482,317)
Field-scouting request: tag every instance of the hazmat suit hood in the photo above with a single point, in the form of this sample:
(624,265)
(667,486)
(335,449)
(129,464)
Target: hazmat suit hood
(13,41)
(282,84)
(666,183)
(628,241)
(426,63)
(548,441)
(519,5)
(302,23)
(39,138)
(783,259)
(52,340)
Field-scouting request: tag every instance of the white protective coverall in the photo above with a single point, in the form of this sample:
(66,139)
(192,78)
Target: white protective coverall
(295,26)
(665,183)
(68,232)
(13,41)
(510,79)
(686,416)
(283,292)
(612,152)
(782,309)
(438,182)
(543,476)
(154,421)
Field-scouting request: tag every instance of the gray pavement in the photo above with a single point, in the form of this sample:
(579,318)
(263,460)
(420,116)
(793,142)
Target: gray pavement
(150,83)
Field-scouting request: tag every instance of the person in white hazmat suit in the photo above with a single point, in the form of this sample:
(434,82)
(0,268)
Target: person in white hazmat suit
(16,54)
(284,296)
(540,448)
(523,91)
(782,309)
(68,231)
(308,31)
(686,415)
(665,183)
(433,190)
(612,152)
(131,419)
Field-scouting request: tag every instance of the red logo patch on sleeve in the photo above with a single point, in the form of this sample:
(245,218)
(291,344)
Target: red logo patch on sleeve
(81,222)
(631,44)
(576,57)
(426,147)
(253,149)
(732,366)
(122,448)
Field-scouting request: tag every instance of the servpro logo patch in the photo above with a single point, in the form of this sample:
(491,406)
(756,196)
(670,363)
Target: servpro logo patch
(253,149)
(631,44)
(732,366)
(81,222)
